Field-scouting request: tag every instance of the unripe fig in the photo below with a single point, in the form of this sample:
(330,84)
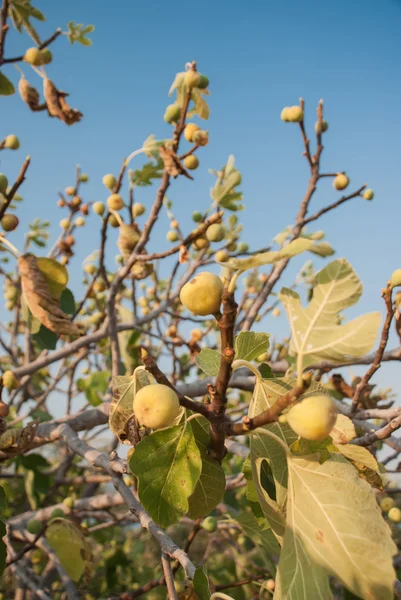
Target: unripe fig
(202,294)
(99,285)
(200,138)
(138,209)
(70,191)
(191,162)
(68,502)
(395,279)
(10,381)
(115,202)
(9,222)
(394,514)
(3,183)
(321,128)
(295,114)
(243,247)
(46,56)
(11,142)
(79,222)
(113,221)
(313,418)
(192,79)
(387,503)
(215,232)
(203,82)
(83,178)
(189,131)
(276,312)
(209,524)
(64,223)
(368,194)
(197,216)
(173,113)
(172,236)
(109,181)
(90,269)
(232,246)
(99,208)
(33,57)
(34,526)
(221,256)
(201,243)
(174,224)
(340,182)
(57,514)
(285,114)
(156,406)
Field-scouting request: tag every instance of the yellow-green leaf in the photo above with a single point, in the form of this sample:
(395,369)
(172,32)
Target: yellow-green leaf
(266,258)
(56,275)
(70,545)
(6,87)
(343,430)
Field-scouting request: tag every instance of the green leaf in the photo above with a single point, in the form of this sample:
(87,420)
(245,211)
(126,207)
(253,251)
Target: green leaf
(272,511)
(46,339)
(124,389)
(6,87)
(33,462)
(201,584)
(70,545)
(264,539)
(152,170)
(249,345)
(209,361)
(84,41)
(334,518)
(211,485)
(201,106)
(67,302)
(168,465)
(266,371)
(96,386)
(316,334)
(266,258)
(323,249)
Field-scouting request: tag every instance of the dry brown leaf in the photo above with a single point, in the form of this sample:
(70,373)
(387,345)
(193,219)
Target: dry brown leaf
(29,95)
(57,104)
(40,303)
(184,255)
(171,162)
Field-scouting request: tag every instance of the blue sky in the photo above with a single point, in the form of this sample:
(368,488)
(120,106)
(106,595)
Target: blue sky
(259,56)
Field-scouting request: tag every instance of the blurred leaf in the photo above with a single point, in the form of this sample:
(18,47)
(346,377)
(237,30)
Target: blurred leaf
(70,545)
(224,192)
(343,430)
(45,339)
(266,258)
(67,301)
(41,415)
(95,386)
(323,249)
(249,345)
(266,371)
(201,584)
(33,462)
(168,465)
(6,87)
(201,106)
(77,32)
(209,361)
(144,177)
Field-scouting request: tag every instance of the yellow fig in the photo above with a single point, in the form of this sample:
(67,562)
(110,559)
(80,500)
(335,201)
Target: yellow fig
(313,418)
(156,406)
(202,294)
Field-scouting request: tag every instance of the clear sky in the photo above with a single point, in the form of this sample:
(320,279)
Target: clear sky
(259,57)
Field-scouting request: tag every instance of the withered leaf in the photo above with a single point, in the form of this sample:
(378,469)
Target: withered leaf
(171,162)
(39,301)
(57,104)
(184,255)
(30,95)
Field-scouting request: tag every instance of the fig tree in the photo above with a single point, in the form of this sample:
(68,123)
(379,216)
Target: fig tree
(285,115)
(70,191)
(203,82)
(202,294)
(200,138)
(201,243)
(313,418)
(79,222)
(156,406)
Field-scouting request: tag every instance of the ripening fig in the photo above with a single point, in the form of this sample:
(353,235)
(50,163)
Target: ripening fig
(174,224)
(321,127)
(196,334)
(191,162)
(115,202)
(201,243)
(90,269)
(34,526)
(46,56)
(340,182)
(99,208)
(172,236)
(189,131)
(172,113)
(202,294)
(203,82)
(243,247)
(57,513)
(99,285)
(3,183)
(83,178)
(285,116)
(113,221)
(387,503)
(64,223)
(295,114)
(109,181)
(84,209)
(70,191)
(209,524)
(197,216)
(11,142)
(270,585)
(215,232)
(394,514)
(76,201)
(313,418)
(68,502)
(9,222)
(200,138)
(368,194)
(156,406)
(232,246)
(10,381)
(138,209)
(32,56)
(276,312)
(79,222)
(395,279)
(192,79)
(221,256)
